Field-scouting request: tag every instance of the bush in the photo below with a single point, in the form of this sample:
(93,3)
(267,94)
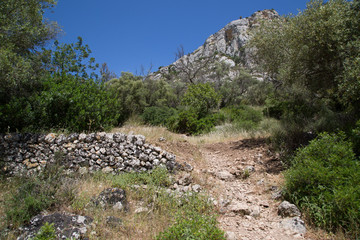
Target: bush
(188,122)
(194,219)
(46,232)
(242,116)
(324,181)
(158,177)
(76,105)
(202,98)
(195,226)
(158,116)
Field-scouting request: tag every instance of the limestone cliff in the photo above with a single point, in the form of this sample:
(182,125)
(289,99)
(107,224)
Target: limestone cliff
(227,46)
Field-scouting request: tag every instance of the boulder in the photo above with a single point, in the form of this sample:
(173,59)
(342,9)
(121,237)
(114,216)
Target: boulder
(240,208)
(112,198)
(287,209)
(225,175)
(66,226)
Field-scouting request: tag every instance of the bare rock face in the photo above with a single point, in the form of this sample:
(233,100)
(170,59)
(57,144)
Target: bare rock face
(112,198)
(228,44)
(66,226)
(287,209)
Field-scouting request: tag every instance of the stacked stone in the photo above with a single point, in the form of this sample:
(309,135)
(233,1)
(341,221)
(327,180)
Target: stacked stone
(108,152)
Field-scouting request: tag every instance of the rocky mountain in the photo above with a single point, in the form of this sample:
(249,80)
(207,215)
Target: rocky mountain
(225,49)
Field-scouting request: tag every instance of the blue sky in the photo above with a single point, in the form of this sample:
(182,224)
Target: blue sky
(128,34)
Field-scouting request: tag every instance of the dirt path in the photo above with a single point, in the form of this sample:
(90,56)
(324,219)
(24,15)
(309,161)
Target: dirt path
(243,177)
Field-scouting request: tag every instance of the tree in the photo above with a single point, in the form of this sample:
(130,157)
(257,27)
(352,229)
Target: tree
(307,49)
(130,92)
(189,68)
(202,98)
(313,59)
(23,31)
(106,74)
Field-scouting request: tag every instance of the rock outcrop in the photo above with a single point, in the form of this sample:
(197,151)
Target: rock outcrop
(66,226)
(227,47)
(114,198)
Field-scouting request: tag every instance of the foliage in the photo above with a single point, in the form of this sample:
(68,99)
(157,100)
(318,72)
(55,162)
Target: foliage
(158,177)
(160,94)
(193,226)
(130,92)
(355,138)
(46,232)
(188,121)
(68,97)
(258,93)
(158,116)
(42,88)
(234,91)
(312,60)
(74,104)
(72,59)
(243,116)
(37,193)
(202,98)
(23,31)
(324,182)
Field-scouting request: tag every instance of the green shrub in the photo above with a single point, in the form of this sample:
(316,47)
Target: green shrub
(158,116)
(158,177)
(194,226)
(46,232)
(243,117)
(194,219)
(324,181)
(202,98)
(188,122)
(75,104)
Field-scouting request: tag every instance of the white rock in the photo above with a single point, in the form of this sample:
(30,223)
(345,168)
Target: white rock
(141,210)
(225,175)
(295,224)
(287,209)
(118,206)
(107,170)
(230,236)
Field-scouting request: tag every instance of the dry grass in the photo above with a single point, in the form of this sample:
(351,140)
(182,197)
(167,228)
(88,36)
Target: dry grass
(223,133)
(134,226)
(152,133)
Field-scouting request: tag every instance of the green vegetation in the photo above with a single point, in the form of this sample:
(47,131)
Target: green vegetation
(194,213)
(243,116)
(53,190)
(307,57)
(312,86)
(312,60)
(37,193)
(46,232)
(158,116)
(325,182)
(194,226)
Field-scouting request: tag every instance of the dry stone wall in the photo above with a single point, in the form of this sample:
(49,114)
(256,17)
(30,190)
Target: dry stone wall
(107,152)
